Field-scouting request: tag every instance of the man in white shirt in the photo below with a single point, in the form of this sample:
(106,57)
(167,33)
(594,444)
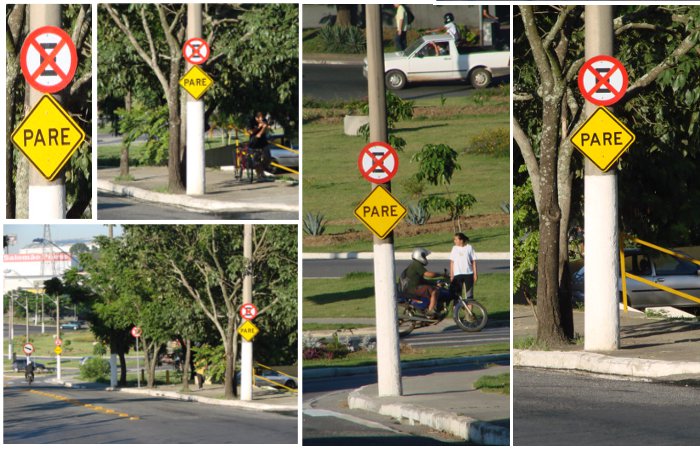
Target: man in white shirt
(462,266)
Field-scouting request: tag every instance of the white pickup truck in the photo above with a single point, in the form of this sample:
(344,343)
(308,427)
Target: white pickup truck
(437,58)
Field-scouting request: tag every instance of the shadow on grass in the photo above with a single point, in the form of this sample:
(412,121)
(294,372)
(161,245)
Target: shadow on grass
(324,299)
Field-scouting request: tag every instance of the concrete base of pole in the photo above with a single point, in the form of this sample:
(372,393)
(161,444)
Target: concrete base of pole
(246,370)
(388,353)
(47,202)
(602,314)
(196,184)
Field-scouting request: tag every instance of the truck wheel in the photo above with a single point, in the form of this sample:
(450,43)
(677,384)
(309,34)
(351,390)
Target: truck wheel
(480,78)
(395,79)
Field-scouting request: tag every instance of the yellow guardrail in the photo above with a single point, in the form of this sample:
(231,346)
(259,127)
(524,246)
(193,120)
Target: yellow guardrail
(279,166)
(649,282)
(274,382)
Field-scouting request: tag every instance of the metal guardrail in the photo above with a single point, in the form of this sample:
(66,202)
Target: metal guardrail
(274,382)
(648,282)
(279,166)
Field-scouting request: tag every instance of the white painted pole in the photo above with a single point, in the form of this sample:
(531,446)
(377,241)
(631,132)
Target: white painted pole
(138,367)
(247,346)
(602,314)
(47,199)
(196,183)
(58,336)
(12,327)
(388,354)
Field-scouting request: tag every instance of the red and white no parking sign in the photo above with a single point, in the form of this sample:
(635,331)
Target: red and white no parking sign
(48,59)
(248,311)
(195,51)
(602,80)
(378,162)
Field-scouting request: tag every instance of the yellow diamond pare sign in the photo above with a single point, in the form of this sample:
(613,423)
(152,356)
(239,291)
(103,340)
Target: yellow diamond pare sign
(603,139)
(196,82)
(48,136)
(380,212)
(248,330)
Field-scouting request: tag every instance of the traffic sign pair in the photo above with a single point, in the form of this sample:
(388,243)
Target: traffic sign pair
(196,81)
(603,138)
(48,136)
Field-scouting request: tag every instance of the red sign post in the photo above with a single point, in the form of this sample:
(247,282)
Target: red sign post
(196,51)
(48,59)
(602,80)
(378,162)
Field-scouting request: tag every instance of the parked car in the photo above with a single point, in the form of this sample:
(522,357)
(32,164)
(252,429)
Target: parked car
(263,377)
(661,268)
(438,58)
(19,365)
(74,325)
(283,157)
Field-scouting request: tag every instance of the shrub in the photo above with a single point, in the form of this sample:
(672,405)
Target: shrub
(343,39)
(417,215)
(495,142)
(314,224)
(413,186)
(95,369)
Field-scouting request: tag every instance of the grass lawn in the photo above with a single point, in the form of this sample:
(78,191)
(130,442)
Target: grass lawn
(75,343)
(353,296)
(364,358)
(499,383)
(333,185)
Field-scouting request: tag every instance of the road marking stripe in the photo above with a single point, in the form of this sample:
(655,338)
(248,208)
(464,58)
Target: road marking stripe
(90,406)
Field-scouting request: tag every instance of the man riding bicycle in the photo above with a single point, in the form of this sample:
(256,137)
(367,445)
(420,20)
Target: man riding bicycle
(417,284)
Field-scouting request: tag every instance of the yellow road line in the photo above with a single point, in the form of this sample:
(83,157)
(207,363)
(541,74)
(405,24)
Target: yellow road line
(90,406)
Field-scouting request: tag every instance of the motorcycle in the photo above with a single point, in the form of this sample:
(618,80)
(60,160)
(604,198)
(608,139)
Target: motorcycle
(468,314)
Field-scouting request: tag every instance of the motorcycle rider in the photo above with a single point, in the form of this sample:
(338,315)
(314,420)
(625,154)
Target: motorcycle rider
(417,284)
(29,370)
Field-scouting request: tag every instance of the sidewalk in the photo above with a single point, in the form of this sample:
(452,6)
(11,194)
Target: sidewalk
(650,348)
(444,399)
(224,194)
(264,399)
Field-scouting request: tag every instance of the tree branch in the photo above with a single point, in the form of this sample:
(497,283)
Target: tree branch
(530,159)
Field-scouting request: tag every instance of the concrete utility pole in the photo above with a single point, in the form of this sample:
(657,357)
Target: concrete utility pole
(246,345)
(11,321)
(196,184)
(58,336)
(47,199)
(388,354)
(602,313)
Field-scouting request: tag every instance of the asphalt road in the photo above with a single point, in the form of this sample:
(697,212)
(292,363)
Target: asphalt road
(328,421)
(337,268)
(345,82)
(112,207)
(551,408)
(50,415)
(447,334)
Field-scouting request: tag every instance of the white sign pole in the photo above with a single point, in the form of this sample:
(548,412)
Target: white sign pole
(196,183)
(602,314)
(388,354)
(246,345)
(46,199)
(138,367)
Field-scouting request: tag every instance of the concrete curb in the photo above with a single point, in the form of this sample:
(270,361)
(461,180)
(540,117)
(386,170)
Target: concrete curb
(403,256)
(209,401)
(604,364)
(467,428)
(310,374)
(332,62)
(191,203)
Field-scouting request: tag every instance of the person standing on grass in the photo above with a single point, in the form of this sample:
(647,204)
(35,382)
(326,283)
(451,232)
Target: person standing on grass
(401,20)
(462,266)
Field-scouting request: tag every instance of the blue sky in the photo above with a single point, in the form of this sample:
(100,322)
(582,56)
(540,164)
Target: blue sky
(26,233)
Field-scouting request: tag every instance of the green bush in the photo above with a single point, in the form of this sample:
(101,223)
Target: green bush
(343,39)
(95,369)
(314,224)
(495,142)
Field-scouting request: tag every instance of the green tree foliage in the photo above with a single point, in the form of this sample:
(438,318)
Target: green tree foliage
(95,369)
(397,109)
(436,165)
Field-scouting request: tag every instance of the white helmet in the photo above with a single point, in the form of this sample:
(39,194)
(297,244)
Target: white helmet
(420,255)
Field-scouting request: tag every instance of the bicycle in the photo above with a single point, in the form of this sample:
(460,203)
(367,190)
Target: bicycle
(244,164)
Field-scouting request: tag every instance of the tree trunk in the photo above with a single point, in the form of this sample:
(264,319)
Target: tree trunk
(549,330)
(229,381)
(15,24)
(124,155)
(345,15)
(122,364)
(186,345)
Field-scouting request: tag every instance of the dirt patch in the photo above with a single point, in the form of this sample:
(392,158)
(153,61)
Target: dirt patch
(404,229)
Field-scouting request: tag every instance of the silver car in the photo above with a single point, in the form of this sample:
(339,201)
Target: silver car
(658,267)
